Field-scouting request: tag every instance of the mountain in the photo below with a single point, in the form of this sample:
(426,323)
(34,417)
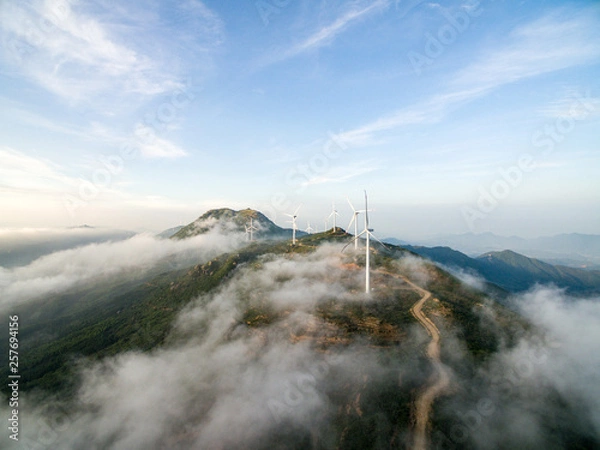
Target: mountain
(274,345)
(517,272)
(168,233)
(574,249)
(395,241)
(319,305)
(235,221)
(514,272)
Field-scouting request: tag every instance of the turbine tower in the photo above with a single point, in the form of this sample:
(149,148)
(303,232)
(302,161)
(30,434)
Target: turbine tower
(354,220)
(294,224)
(368,232)
(334,213)
(250,229)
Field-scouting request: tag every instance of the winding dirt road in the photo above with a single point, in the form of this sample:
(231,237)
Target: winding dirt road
(440,379)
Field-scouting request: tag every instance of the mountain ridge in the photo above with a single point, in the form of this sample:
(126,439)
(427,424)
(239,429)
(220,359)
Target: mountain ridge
(515,272)
(570,249)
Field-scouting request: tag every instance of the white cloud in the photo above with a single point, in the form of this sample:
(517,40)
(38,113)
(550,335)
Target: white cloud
(29,174)
(80,51)
(62,270)
(546,45)
(574,104)
(39,192)
(340,174)
(556,41)
(326,34)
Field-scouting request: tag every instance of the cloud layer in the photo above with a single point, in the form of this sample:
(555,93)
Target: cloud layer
(135,256)
(220,383)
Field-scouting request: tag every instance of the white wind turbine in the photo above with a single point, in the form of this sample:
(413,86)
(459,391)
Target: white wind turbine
(294,224)
(354,220)
(309,229)
(250,229)
(368,232)
(333,214)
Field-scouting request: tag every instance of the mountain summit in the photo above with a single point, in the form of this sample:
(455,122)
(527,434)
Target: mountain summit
(234,221)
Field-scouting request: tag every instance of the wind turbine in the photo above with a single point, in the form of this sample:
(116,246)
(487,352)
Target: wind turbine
(294,225)
(309,229)
(355,221)
(334,213)
(368,232)
(250,229)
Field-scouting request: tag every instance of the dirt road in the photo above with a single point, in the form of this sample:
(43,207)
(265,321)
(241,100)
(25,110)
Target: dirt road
(440,379)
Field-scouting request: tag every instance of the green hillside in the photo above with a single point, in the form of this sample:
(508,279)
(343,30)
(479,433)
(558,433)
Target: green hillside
(103,320)
(371,408)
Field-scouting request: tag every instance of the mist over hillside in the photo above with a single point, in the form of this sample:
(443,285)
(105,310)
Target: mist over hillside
(511,271)
(285,350)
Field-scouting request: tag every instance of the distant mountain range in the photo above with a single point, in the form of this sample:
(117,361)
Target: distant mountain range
(574,249)
(513,271)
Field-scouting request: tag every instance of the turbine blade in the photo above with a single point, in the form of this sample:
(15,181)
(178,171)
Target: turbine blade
(354,239)
(351,221)
(351,205)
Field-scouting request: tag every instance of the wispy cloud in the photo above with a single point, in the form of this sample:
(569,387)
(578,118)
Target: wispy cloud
(19,172)
(327,33)
(33,183)
(143,138)
(556,41)
(78,53)
(18,112)
(428,111)
(574,104)
(340,174)
(543,46)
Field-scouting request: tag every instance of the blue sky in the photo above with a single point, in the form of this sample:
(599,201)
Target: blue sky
(455,116)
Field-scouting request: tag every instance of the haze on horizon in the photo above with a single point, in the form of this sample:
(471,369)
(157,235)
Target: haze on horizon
(459,117)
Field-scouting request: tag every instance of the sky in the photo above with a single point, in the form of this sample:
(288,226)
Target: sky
(459,116)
